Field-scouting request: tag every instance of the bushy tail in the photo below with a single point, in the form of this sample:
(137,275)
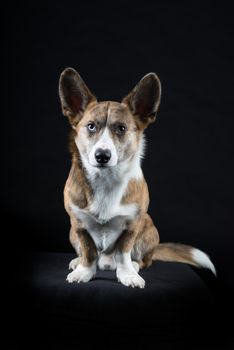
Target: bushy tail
(183,253)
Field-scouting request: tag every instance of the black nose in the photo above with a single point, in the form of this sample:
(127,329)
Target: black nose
(102,155)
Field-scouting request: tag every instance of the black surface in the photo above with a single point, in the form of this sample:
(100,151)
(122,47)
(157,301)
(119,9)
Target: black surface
(175,306)
(189,159)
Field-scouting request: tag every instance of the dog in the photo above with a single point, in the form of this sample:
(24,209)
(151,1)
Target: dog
(106,195)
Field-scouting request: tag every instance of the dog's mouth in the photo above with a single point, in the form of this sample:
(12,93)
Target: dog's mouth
(101,166)
(104,166)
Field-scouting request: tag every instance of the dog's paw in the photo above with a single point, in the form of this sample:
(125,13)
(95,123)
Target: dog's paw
(82,274)
(106,262)
(74,263)
(130,279)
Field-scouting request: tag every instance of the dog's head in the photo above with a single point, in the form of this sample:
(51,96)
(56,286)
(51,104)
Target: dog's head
(108,133)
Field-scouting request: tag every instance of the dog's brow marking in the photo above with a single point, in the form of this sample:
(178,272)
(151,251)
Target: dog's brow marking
(100,114)
(108,111)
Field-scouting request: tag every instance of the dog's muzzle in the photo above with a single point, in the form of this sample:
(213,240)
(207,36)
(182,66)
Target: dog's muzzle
(102,156)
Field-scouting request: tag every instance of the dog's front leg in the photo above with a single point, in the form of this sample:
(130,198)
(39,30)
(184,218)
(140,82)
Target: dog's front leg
(126,271)
(86,267)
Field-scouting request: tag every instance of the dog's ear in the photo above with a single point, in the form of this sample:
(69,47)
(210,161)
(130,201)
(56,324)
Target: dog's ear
(74,95)
(143,101)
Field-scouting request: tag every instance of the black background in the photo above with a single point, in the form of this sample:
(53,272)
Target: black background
(189,159)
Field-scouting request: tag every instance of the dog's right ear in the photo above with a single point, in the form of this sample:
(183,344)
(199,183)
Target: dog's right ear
(74,95)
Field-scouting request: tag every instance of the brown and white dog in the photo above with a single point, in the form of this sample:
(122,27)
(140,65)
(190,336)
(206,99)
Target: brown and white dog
(106,195)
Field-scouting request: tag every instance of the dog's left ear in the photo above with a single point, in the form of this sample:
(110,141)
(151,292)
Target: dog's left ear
(143,101)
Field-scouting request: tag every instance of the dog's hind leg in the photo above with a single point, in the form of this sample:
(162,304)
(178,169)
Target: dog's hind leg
(76,245)
(107,262)
(144,247)
(74,263)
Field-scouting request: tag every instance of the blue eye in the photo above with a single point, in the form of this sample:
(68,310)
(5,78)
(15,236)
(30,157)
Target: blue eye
(91,127)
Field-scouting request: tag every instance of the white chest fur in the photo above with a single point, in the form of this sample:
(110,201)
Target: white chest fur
(108,193)
(103,234)
(106,217)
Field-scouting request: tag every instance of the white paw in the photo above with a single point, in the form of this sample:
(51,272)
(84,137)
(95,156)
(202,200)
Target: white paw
(74,263)
(130,278)
(106,262)
(82,273)
(136,266)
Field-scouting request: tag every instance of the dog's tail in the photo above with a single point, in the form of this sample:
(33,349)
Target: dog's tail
(183,253)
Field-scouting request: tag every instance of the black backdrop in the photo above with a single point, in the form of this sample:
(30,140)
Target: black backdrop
(189,159)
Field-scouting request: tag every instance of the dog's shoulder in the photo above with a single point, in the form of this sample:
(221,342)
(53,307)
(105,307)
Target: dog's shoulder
(137,192)
(77,190)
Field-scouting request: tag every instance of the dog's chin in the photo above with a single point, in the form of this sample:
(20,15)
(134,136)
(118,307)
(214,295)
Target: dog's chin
(102,166)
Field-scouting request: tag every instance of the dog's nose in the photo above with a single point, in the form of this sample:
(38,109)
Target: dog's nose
(102,155)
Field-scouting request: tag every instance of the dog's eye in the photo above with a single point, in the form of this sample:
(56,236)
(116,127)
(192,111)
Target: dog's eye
(91,127)
(120,130)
